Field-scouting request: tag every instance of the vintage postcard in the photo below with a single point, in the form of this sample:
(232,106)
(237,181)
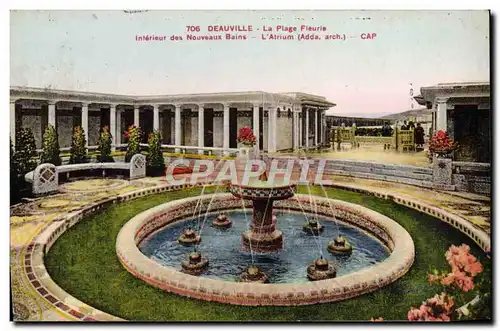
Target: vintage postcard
(250,165)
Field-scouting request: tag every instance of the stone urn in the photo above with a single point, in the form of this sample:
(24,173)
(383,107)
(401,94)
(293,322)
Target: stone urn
(245,153)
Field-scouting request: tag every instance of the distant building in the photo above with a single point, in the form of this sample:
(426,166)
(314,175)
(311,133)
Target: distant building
(335,120)
(464,111)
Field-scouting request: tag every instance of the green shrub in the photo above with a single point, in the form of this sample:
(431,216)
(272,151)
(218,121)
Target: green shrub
(78,152)
(133,137)
(105,146)
(51,150)
(372,132)
(25,153)
(155,164)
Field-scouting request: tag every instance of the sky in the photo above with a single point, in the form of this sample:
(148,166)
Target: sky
(97,51)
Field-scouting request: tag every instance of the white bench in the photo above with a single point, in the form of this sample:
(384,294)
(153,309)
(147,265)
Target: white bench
(45,178)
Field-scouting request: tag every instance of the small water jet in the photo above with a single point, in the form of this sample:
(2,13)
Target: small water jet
(253,274)
(340,246)
(313,227)
(195,264)
(222,222)
(321,269)
(189,237)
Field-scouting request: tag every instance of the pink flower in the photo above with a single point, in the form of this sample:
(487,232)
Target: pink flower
(474,268)
(437,308)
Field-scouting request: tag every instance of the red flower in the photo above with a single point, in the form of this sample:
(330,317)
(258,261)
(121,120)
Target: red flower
(246,136)
(442,143)
(437,308)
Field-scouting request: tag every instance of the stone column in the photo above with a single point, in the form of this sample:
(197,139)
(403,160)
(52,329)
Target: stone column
(322,126)
(441,114)
(13,122)
(156,118)
(118,132)
(307,127)
(112,126)
(85,122)
(136,115)
(271,134)
(226,127)
(178,129)
(299,115)
(201,128)
(256,121)
(316,133)
(52,113)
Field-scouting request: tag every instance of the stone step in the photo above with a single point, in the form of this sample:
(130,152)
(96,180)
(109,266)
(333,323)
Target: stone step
(380,171)
(410,181)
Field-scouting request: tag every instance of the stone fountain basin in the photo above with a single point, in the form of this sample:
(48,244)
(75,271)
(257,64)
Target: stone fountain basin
(394,236)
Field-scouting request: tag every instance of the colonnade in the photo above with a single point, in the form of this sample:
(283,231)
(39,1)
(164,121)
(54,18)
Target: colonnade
(115,120)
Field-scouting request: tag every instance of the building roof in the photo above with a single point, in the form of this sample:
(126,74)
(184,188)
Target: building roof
(452,90)
(21,92)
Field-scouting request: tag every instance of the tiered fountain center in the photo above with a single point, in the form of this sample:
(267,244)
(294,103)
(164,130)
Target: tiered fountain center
(262,237)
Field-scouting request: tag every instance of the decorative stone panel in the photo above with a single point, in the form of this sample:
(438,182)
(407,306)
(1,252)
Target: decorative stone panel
(441,172)
(45,179)
(137,166)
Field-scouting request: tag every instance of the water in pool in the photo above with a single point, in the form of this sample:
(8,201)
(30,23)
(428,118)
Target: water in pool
(228,260)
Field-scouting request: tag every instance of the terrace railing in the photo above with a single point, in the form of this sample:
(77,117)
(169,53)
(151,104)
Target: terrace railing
(405,140)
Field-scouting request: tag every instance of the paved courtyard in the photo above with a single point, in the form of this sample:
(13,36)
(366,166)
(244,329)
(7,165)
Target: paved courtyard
(376,153)
(28,219)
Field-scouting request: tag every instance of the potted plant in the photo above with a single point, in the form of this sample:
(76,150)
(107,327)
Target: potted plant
(155,164)
(78,152)
(25,151)
(51,151)
(105,146)
(441,145)
(133,137)
(246,141)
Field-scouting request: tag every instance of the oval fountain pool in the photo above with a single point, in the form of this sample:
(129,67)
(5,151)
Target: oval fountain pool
(227,260)
(147,247)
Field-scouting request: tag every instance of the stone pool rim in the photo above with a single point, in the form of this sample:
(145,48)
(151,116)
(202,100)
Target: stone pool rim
(392,234)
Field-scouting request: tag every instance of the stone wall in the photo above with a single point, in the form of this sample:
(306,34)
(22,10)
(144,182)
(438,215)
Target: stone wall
(244,121)
(472,177)
(284,132)
(34,122)
(65,130)
(218,130)
(94,128)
